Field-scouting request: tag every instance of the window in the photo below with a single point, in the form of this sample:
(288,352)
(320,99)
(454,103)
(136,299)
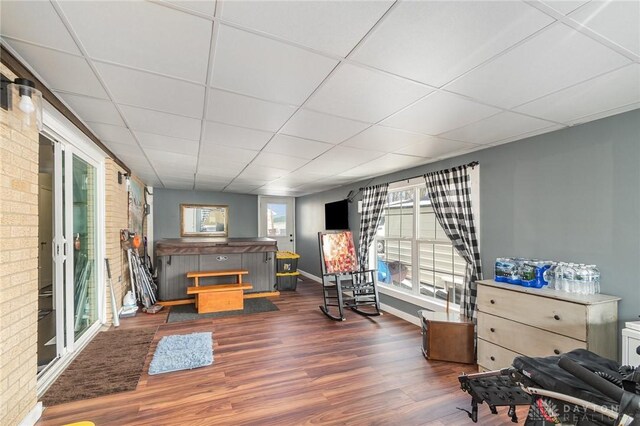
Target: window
(413,254)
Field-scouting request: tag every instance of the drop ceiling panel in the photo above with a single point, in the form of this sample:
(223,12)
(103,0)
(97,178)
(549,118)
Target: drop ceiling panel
(245,111)
(334,27)
(151,91)
(238,137)
(207,7)
(143,35)
(384,139)
(107,132)
(607,92)
(565,6)
(297,147)
(619,21)
(493,129)
(210,186)
(129,150)
(340,159)
(40,24)
(280,161)
(434,42)
(182,164)
(161,123)
(360,94)
(321,127)
(184,184)
(555,59)
(219,154)
(434,148)
(224,170)
(168,144)
(262,173)
(240,188)
(92,109)
(438,113)
(257,66)
(61,71)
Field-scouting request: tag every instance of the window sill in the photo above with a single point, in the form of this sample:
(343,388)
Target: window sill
(423,302)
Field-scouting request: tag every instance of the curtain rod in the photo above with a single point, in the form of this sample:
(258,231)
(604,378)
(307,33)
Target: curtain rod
(471,164)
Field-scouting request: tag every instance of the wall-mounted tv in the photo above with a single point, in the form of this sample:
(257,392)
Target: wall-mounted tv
(336,215)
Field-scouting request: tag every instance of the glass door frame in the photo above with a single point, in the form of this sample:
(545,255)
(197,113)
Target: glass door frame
(263,200)
(69,141)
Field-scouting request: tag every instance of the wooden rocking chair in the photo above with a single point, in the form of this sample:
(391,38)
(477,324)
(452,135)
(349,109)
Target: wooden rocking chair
(343,283)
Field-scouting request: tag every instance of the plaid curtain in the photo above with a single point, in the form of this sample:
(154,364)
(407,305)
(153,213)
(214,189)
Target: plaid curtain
(373,199)
(450,195)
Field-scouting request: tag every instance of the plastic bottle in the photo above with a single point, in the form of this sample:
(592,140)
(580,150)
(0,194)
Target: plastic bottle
(581,279)
(596,278)
(569,275)
(559,277)
(550,275)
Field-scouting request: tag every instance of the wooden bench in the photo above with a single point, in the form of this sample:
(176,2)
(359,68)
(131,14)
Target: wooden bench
(219,297)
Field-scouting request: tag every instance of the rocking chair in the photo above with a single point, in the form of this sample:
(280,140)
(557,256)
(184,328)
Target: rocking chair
(344,285)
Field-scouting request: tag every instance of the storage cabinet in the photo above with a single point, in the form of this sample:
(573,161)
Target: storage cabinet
(515,320)
(631,343)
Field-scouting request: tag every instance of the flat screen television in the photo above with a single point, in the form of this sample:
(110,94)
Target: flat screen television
(336,215)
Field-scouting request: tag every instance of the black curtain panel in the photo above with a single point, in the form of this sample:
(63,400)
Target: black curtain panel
(450,195)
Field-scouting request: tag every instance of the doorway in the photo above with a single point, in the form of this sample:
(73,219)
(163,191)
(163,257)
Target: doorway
(277,220)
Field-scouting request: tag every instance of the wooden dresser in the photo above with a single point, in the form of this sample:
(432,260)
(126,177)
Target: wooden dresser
(515,320)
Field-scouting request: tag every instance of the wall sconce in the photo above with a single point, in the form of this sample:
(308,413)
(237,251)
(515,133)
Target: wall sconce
(125,175)
(21,97)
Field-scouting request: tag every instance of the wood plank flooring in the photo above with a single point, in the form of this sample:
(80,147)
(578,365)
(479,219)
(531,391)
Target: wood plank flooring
(291,367)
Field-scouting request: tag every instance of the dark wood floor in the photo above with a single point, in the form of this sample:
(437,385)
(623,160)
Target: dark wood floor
(290,367)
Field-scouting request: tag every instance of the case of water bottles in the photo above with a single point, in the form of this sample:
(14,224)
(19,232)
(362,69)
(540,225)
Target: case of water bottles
(561,276)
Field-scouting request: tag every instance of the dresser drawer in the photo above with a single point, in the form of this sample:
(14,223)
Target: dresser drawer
(524,339)
(494,357)
(558,316)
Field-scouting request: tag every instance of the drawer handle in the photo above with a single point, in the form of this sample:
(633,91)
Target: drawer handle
(556,351)
(493,302)
(556,317)
(222,258)
(493,358)
(493,330)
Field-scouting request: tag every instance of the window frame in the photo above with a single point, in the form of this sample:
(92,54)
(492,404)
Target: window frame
(414,296)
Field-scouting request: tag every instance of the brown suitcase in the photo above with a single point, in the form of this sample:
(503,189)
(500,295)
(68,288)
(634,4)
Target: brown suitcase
(447,337)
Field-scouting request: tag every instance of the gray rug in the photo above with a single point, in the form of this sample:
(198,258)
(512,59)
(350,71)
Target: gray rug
(182,352)
(251,306)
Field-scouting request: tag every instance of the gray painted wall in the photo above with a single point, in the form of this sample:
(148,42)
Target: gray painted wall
(571,195)
(243,211)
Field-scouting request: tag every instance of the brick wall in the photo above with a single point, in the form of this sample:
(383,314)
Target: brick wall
(116,218)
(18,266)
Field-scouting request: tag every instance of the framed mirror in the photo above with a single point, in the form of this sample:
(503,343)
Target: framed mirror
(200,220)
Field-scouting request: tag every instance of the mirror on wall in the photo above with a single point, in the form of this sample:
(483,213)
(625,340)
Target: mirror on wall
(198,220)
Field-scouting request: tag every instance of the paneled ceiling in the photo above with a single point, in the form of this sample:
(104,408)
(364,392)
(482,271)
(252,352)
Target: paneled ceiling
(296,97)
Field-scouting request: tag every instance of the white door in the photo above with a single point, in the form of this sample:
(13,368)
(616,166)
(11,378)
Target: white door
(277,220)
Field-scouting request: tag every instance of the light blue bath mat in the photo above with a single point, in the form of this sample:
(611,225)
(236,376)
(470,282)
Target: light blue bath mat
(182,352)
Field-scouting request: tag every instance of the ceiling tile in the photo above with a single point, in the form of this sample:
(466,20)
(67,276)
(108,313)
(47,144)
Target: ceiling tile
(339,159)
(334,27)
(266,173)
(565,6)
(612,90)
(61,71)
(525,135)
(438,113)
(240,188)
(619,21)
(221,170)
(129,151)
(237,137)
(384,139)
(201,6)
(210,186)
(434,147)
(434,42)
(161,123)
(175,163)
(107,132)
(143,35)
(184,184)
(40,24)
(322,127)
(280,161)
(300,177)
(151,91)
(296,147)
(501,126)
(92,109)
(218,154)
(554,59)
(257,66)
(360,94)
(245,111)
(168,144)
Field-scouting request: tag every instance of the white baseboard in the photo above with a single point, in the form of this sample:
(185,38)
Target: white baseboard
(33,416)
(400,314)
(310,276)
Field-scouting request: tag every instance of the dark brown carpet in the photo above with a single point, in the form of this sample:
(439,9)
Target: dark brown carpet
(111,363)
